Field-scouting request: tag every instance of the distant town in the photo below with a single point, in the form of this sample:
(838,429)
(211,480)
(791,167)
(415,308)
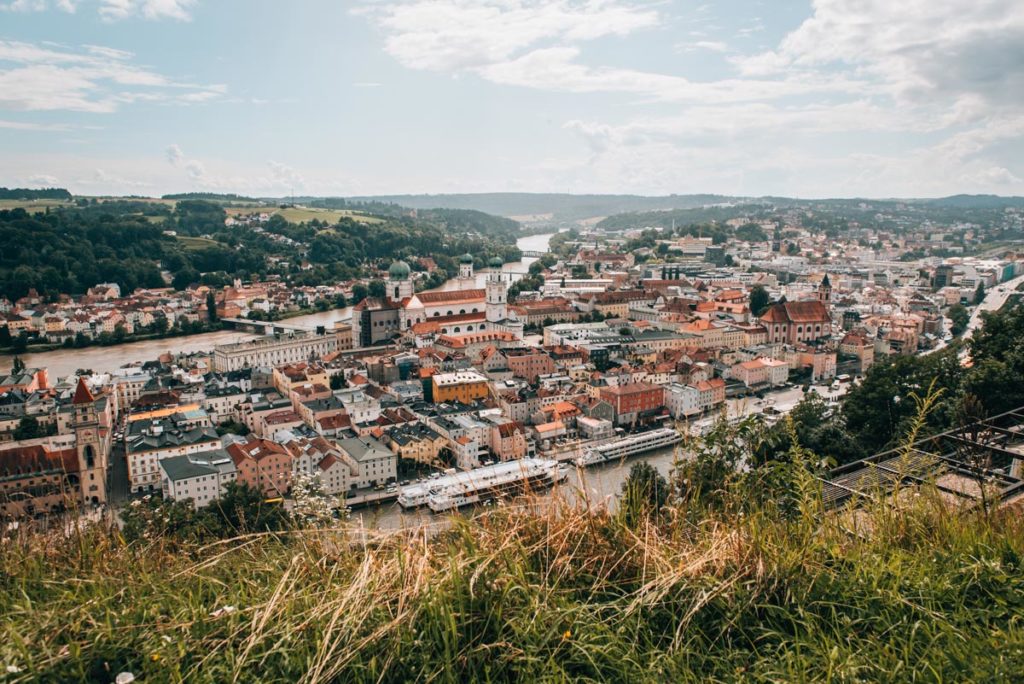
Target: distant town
(605,341)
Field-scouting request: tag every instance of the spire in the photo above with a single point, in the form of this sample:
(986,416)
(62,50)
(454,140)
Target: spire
(825,281)
(82,393)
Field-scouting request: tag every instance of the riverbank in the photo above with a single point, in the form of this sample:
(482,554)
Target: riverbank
(63,361)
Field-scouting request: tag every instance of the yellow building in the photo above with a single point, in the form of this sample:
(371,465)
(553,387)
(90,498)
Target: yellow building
(462,386)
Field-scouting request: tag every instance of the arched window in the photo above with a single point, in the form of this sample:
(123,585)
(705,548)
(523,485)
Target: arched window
(462,311)
(436,314)
(90,456)
(396,292)
(457,329)
(799,329)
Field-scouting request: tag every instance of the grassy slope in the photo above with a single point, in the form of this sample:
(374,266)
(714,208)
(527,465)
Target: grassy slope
(528,596)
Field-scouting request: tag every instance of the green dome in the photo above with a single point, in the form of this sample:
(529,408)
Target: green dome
(399,271)
(466,259)
(496,262)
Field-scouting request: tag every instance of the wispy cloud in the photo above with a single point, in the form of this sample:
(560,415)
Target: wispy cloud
(89,79)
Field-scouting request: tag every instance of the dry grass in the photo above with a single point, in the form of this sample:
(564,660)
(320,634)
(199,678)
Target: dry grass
(527,593)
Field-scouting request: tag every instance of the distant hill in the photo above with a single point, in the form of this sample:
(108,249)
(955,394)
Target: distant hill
(30,194)
(977,201)
(561,206)
(211,196)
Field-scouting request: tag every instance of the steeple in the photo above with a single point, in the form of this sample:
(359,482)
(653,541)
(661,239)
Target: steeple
(825,291)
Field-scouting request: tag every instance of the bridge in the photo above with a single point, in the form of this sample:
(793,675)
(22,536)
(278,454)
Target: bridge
(266,327)
(533,253)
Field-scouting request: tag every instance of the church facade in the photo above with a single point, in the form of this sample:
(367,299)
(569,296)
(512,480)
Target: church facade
(800,322)
(449,312)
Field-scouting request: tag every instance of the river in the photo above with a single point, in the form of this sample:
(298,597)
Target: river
(599,485)
(64,362)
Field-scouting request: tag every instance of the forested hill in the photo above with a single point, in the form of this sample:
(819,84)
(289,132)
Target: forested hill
(140,243)
(30,194)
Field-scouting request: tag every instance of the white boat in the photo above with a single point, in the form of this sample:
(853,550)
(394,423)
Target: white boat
(481,484)
(629,446)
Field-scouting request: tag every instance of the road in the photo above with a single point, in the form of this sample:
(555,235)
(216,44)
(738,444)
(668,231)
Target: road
(994,300)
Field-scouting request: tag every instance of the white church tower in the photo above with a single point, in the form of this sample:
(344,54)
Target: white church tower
(496,294)
(466,277)
(399,285)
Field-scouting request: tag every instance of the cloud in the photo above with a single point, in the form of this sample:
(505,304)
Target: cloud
(916,49)
(708,45)
(174,155)
(44,180)
(33,126)
(115,10)
(444,35)
(284,175)
(112,10)
(90,79)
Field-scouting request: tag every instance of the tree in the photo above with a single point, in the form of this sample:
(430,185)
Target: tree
(5,336)
(644,493)
(759,300)
(28,428)
(979,294)
(377,289)
(211,306)
(960,318)
(17,366)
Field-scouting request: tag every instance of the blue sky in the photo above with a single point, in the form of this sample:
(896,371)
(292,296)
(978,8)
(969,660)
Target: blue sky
(824,98)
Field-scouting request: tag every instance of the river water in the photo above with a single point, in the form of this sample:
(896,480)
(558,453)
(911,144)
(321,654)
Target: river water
(64,362)
(597,485)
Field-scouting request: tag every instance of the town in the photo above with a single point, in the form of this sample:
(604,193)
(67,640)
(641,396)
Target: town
(609,333)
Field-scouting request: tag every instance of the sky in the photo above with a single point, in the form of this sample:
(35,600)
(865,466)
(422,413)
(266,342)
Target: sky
(829,98)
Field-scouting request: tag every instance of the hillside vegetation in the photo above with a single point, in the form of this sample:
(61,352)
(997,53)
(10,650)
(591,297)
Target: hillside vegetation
(531,594)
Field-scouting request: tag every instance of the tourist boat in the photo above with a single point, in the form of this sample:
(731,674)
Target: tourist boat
(629,446)
(450,492)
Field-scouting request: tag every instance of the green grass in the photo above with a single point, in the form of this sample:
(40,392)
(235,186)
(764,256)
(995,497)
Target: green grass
(521,594)
(35,206)
(300,214)
(196,243)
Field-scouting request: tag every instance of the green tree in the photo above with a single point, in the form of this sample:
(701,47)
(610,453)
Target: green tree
(979,294)
(5,336)
(17,365)
(28,428)
(759,300)
(211,306)
(644,493)
(960,318)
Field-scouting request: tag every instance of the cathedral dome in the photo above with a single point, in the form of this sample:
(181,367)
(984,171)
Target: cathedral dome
(399,270)
(466,259)
(496,262)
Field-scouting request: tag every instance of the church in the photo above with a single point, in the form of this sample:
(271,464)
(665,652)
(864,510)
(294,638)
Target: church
(440,312)
(796,322)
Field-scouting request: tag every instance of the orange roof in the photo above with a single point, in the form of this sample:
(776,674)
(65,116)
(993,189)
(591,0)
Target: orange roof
(447,296)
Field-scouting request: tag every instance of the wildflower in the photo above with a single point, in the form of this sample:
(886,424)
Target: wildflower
(155,657)
(124,678)
(13,669)
(567,635)
(226,610)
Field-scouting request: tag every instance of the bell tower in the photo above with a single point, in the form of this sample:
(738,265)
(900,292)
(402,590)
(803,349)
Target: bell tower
(496,303)
(825,291)
(92,456)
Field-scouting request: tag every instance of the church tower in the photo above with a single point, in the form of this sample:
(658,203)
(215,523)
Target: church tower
(825,291)
(399,285)
(496,294)
(92,455)
(466,268)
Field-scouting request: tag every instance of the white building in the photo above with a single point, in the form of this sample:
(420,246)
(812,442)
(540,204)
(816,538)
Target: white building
(199,477)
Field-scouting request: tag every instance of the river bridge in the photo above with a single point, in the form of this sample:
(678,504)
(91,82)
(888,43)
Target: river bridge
(532,253)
